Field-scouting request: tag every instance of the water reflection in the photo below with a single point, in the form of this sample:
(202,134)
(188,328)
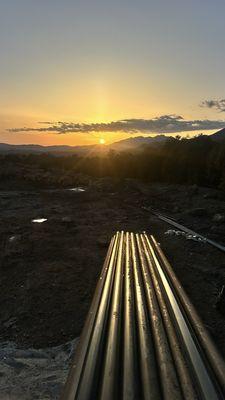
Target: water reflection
(77,189)
(39,220)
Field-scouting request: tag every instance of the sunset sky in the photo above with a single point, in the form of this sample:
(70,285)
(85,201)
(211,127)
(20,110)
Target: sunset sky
(123,65)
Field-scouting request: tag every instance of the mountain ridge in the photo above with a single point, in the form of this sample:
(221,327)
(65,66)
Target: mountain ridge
(132,143)
(124,144)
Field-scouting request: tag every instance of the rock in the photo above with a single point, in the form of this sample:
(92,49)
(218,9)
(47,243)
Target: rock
(219,218)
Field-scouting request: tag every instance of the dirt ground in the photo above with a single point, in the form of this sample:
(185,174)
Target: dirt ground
(49,270)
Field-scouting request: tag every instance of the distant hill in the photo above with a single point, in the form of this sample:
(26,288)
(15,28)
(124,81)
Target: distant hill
(134,143)
(219,136)
(35,148)
(122,145)
(130,144)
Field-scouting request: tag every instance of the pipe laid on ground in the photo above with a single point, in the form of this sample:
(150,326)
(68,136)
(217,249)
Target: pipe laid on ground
(214,358)
(143,339)
(147,362)
(110,367)
(82,374)
(130,367)
(188,390)
(183,228)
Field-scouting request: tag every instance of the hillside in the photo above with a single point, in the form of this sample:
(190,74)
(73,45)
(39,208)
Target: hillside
(35,148)
(134,143)
(129,144)
(219,135)
(122,145)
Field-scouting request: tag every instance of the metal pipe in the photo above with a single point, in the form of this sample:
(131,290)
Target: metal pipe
(214,358)
(109,380)
(142,338)
(183,228)
(208,390)
(88,384)
(186,382)
(168,377)
(130,370)
(148,366)
(91,374)
(73,380)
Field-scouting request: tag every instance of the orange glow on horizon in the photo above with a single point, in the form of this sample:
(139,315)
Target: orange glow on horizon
(72,139)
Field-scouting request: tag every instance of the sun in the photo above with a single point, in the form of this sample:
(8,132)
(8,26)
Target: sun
(101,141)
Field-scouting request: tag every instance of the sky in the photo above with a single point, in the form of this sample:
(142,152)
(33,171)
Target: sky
(96,69)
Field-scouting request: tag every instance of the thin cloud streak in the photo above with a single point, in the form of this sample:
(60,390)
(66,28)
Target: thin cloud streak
(163,124)
(218,105)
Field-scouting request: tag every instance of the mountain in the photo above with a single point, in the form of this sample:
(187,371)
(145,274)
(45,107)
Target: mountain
(218,136)
(35,148)
(134,143)
(129,144)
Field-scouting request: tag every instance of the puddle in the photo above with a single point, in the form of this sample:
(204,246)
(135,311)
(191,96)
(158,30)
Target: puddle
(77,190)
(39,220)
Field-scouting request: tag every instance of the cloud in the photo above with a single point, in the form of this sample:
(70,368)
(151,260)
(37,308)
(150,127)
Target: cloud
(163,124)
(218,105)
